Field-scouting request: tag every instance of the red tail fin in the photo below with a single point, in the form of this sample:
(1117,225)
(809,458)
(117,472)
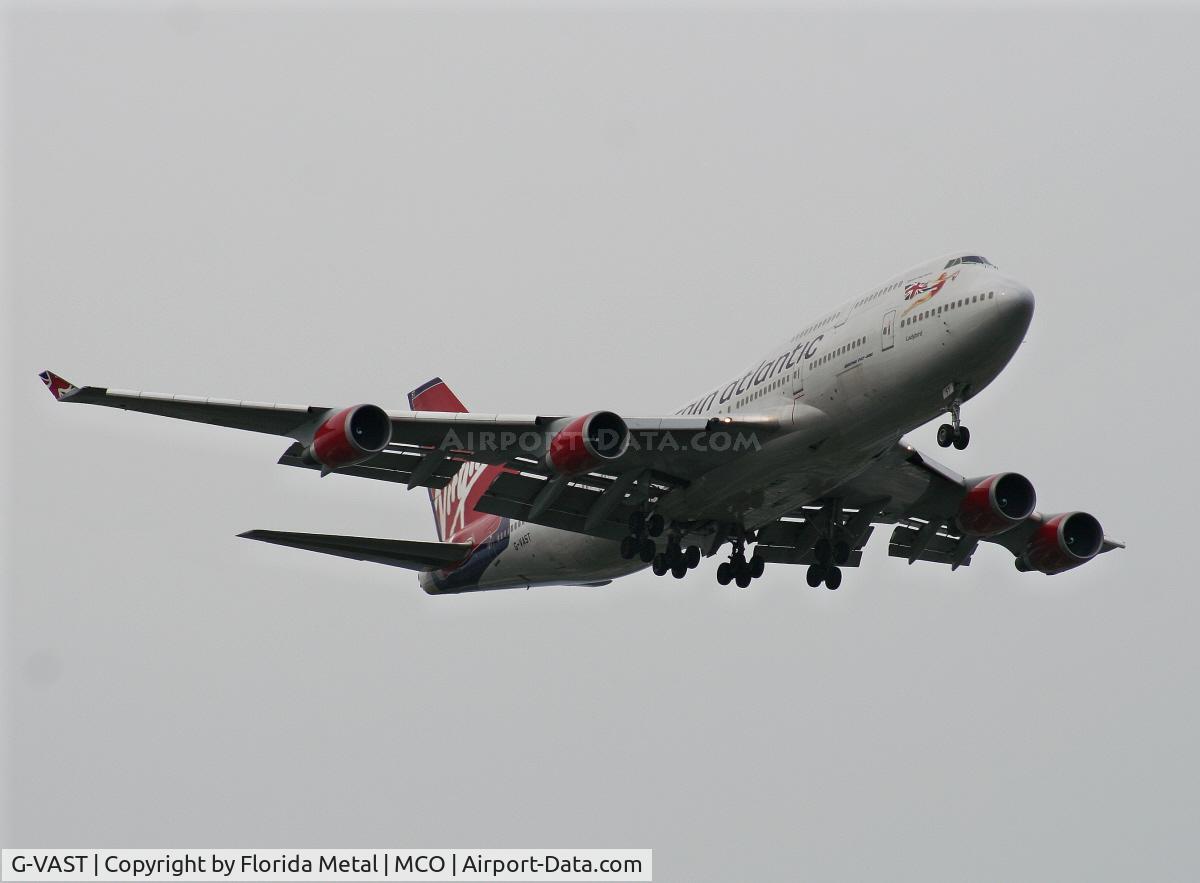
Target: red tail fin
(454,505)
(434,395)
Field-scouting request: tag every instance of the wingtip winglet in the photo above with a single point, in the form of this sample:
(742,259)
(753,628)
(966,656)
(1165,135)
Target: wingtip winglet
(59,387)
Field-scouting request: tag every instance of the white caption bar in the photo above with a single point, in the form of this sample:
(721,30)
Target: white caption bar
(285,865)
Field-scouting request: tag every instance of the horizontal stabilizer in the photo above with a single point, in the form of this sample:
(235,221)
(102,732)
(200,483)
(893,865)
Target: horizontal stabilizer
(410,554)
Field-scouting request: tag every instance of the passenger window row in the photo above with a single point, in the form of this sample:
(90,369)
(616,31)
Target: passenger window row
(953,305)
(840,351)
(816,325)
(878,294)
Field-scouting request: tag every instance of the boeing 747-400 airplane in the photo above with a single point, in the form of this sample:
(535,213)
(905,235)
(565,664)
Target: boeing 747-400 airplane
(793,461)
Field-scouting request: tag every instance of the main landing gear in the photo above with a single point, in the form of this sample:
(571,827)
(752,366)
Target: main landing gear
(954,433)
(676,559)
(830,574)
(640,543)
(832,550)
(826,569)
(738,569)
(642,531)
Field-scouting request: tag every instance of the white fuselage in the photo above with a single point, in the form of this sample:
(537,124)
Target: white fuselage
(877,367)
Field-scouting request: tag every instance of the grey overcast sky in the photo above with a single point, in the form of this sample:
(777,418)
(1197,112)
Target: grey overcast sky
(562,212)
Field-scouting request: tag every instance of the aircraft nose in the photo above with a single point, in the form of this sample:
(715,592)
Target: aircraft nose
(1014,302)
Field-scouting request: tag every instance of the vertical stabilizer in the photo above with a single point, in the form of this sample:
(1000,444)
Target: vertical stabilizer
(454,512)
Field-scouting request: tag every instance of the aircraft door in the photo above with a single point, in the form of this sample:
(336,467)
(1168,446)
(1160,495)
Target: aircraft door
(888,339)
(798,378)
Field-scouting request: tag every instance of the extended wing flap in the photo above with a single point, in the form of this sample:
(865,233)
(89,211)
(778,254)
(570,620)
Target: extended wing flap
(393,464)
(409,554)
(566,506)
(931,544)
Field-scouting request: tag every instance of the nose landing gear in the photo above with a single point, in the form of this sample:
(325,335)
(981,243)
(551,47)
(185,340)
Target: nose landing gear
(954,433)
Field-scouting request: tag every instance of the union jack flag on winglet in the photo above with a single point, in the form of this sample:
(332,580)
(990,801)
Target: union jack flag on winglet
(59,387)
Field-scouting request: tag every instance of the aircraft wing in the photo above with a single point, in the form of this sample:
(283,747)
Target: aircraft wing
(274,419)
(297,421)
(428,448)
(910,490)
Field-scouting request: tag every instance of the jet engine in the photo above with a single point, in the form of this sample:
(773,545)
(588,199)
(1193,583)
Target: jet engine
(1062,542)
(586,442)
(350,436)
(996,504)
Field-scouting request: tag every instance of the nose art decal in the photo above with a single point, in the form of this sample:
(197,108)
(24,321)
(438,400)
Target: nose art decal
(924,288)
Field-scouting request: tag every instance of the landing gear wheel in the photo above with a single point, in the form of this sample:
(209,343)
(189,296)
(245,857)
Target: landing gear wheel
(629,548)
(659,564)
(945,435)
(962,438)
(725,573)
(655,525)
(841,552)
(823,551)
(679,569)
(648,550)
(757,565)
(743,580)
(816,575)
(833,578)
(673,554)
(637,520)
(692,557)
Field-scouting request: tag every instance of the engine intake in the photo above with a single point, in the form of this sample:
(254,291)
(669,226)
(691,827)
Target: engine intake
(996,504)
(350,436)
(1062,542)
(586,442)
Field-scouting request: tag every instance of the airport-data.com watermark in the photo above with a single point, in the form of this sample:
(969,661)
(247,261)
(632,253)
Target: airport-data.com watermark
(533,443)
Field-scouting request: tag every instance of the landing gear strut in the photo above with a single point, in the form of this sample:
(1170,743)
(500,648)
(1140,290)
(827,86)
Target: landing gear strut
(954,433)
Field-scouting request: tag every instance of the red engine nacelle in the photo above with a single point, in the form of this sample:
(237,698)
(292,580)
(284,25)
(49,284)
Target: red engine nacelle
(587,441)
(350,436)
(996,504)
(1062,542)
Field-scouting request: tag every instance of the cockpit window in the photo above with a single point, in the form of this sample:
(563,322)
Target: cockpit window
(969,259)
